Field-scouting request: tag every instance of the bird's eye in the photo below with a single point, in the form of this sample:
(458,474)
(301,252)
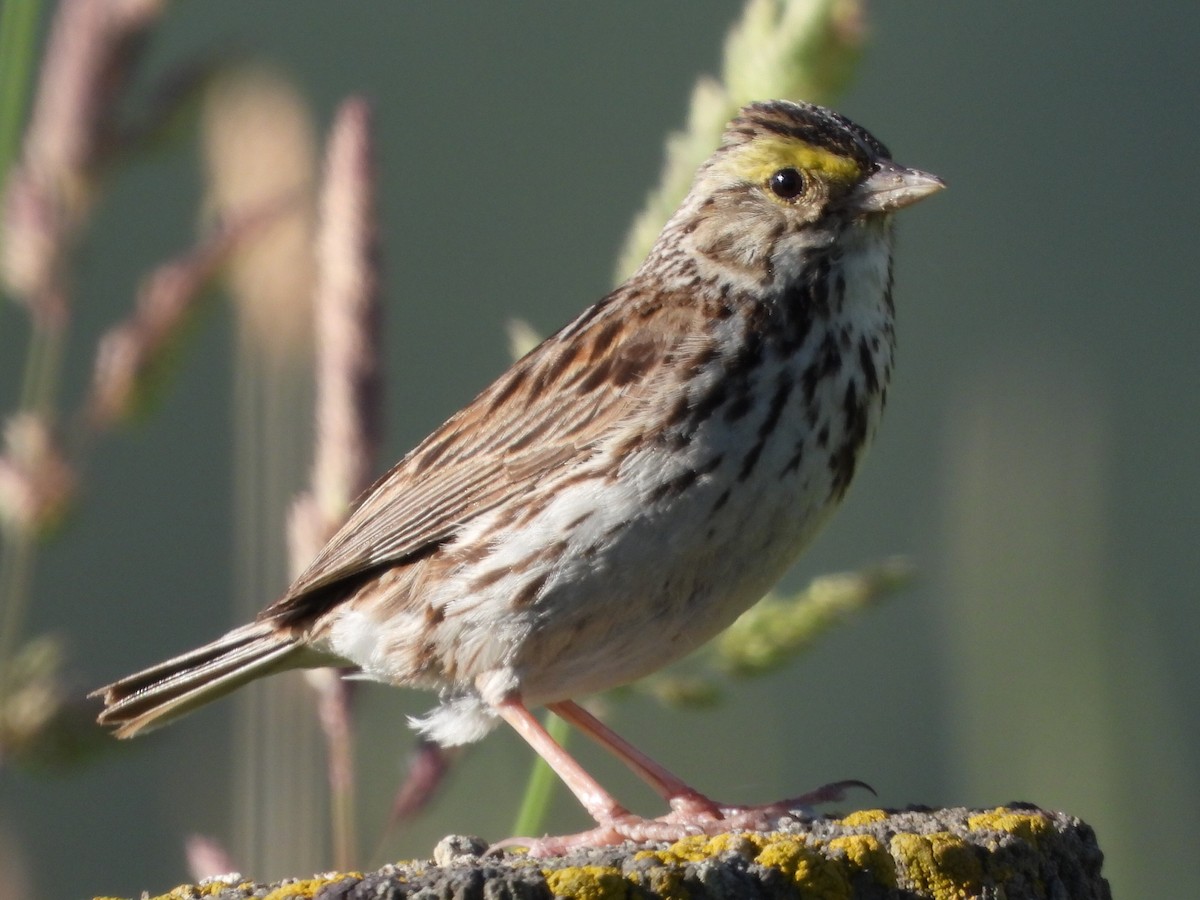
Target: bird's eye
(786,184)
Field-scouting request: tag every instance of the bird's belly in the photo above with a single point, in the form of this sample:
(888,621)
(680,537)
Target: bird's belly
(668,583)
(618,577)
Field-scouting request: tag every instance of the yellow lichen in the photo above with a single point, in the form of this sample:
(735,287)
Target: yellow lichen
(701,846)
(308,887)
(587,882)
(1028,827)
(864,852)
(212,888)
(195,891)
(941,864)
(293,890)
(811,871)
(863,817)
(665,883)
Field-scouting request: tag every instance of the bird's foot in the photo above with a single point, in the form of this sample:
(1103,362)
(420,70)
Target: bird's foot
(700,811)
(692,814)
(620,830)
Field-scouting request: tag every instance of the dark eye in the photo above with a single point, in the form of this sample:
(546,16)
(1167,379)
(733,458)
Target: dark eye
(786,184)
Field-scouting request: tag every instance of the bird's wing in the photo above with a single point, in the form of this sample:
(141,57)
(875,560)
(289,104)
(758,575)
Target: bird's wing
(552,406)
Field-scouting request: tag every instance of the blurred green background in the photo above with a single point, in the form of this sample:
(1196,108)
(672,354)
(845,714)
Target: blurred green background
(1038,460)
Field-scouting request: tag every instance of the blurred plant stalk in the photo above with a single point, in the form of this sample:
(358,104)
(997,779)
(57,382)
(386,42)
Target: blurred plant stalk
(347,309)
(48,189)
(72,133)
(134,356)
(75,134)
(307,295)
(261,154)
(259,144)
(18,29)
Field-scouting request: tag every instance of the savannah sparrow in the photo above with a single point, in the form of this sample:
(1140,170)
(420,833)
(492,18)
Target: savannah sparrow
(625,490)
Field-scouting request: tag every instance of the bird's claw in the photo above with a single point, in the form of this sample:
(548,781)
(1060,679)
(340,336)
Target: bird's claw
(691,815)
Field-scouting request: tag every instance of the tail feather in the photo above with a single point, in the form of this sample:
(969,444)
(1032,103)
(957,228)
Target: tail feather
(162,693)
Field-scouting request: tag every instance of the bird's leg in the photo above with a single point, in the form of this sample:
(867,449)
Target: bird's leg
(691,812)
(598,802)
(683,799)
(614,823)
(689,807)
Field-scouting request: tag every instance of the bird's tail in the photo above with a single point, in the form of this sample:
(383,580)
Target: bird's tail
(174,688)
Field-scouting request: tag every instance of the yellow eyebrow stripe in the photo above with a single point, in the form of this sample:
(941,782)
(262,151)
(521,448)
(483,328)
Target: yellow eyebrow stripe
(763,157)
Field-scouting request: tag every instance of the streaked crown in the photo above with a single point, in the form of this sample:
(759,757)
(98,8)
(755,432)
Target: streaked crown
(815,130)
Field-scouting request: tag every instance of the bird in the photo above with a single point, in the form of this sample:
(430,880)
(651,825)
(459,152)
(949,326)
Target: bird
(626,489)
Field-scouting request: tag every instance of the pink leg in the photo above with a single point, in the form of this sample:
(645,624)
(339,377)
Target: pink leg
(597,801)
(692,812)
(689,807)
(683,798)
(614,823)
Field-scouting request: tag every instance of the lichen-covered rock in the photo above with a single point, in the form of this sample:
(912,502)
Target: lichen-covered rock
(1009,853)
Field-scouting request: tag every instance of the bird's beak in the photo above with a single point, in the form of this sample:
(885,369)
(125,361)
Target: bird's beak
(893,187)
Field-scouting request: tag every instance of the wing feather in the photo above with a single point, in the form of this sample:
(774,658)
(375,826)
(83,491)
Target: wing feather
(539,414)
